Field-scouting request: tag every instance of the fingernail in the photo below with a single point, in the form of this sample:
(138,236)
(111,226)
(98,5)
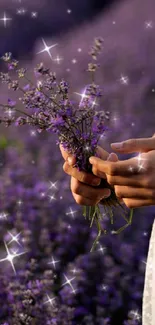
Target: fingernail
(91,160)
(70,161)
(107,194)
(110,157)
(117,145)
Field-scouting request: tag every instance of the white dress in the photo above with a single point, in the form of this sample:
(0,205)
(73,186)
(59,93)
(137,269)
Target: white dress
(148,316)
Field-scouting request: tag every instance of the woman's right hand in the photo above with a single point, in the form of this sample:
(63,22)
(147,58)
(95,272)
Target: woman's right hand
(84,185)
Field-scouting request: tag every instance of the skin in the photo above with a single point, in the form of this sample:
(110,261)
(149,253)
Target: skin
(84,190)
(136,188)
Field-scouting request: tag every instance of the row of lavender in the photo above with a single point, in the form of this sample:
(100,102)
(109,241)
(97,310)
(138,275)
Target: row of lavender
(56,280)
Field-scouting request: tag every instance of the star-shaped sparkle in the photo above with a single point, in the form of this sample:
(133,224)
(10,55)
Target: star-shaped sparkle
(149,24)
(124,80)
(53,185)
(5,19)
(71,213)
(10,257)
(58,59)
(14,238)
(69,281)
(47,48)
(53,262)
(49,301)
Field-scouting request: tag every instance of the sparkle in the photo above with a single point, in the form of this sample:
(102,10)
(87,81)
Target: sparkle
(79,50)
(153,90)
(115,119)
(47,48)
(21,11)
(149,24)
(135,314)
(53,185)
(131,169)
(5,19)
(104,287)
(114,22)
(140,166)
(74,61)
(9,112)
(53,262)
(68,70)
(19,202)
(10,257)
(42,194)
(124,80)
(83,96)
(51,198)
(34,14)
(69,227)
(69,282)
(69,11)
(14,238)
(94,103)
(3,215)
(74,271)
(33,133)
(145,233)
(71,213)
(58,59)
(101,249)
(132,124)
(50,300)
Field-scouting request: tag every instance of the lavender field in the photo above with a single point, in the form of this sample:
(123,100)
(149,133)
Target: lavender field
(47,274)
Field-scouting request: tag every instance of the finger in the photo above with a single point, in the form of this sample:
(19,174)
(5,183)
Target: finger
(137,203)
(133,181)
(63,152)
(122,168)
(134,145)
(83,201)
(81,176)
(88,191)
(111,157)
(103,154)
(67,156)
(135,193)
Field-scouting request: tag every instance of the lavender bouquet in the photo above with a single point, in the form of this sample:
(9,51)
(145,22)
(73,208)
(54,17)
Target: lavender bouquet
(47,107)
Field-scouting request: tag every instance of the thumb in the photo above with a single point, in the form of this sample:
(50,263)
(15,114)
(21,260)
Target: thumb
(135,145)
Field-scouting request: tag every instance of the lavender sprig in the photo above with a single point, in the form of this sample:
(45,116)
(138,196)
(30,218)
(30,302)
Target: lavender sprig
(48,107)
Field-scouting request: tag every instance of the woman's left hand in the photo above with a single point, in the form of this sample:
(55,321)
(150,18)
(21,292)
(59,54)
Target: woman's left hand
(133,179)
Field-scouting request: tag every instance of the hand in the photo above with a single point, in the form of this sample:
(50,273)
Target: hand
(133,180)
(82,183)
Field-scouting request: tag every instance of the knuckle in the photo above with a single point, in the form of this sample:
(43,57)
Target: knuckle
(129,203)
(66,167)
(147,181)
(110,180)
(117,191)
(79,200)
